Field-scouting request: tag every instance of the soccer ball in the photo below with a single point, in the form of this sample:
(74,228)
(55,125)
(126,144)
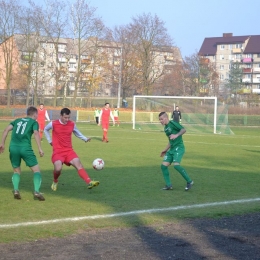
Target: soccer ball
(98,164)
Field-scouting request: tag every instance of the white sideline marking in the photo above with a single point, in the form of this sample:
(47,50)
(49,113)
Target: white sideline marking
(122,214)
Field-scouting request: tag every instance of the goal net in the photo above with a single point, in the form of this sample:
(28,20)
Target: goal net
(198,114)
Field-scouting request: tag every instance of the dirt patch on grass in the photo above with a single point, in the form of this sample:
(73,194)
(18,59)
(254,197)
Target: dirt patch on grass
(235,237)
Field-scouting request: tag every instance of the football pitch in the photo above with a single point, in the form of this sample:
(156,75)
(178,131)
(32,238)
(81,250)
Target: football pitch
(224,168)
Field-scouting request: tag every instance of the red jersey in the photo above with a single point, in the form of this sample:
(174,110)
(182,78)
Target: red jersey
(62,135)
(105,115)
(41,115)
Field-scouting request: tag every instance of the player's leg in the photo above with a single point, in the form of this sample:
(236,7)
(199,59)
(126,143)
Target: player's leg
(41,128)
(56,173)
(31,161)
(15,159)
(167,159)
(177,157)
(75,162)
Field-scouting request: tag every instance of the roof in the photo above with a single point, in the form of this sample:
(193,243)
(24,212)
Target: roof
(209,45)
(253,45)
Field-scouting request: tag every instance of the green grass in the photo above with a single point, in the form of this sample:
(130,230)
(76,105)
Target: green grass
(223,167)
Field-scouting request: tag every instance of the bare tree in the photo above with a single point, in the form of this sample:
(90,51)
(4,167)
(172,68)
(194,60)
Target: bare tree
(8,52)
(53,23)
(149,37)
(87,29)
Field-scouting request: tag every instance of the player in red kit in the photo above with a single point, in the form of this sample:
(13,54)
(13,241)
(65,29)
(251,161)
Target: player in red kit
(42,114)
(63,152)
(104,120)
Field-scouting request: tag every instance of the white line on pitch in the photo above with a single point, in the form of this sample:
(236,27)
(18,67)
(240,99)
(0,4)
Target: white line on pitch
(122,214)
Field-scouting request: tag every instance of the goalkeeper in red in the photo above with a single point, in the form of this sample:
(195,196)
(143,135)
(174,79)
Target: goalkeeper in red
(174,151)
(63,152)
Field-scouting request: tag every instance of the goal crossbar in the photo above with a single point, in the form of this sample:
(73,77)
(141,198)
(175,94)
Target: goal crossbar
(177,97)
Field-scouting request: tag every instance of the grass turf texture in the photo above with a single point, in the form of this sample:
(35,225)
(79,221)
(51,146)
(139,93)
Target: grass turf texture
(223,167)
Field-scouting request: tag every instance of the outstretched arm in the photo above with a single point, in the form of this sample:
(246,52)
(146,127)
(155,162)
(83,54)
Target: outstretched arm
(47,134)
(163,152)
(5,133)
(78,134)
(47,116)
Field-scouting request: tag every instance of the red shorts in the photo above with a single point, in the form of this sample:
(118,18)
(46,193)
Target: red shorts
(64,156)
(41,125)
(105,125)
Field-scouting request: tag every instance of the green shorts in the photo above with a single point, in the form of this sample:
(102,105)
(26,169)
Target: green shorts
(174,155)
(17,153)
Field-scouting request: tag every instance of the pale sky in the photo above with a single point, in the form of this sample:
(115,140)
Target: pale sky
(188,21)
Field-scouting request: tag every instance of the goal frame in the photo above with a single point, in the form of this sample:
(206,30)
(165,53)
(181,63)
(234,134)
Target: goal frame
(178,97)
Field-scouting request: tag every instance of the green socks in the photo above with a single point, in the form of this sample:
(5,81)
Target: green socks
(37,180)
(16,180)
(183,173)
(166,175)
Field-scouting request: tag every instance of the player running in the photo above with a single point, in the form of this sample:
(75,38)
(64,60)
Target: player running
(104,120)
(42,114)
(63,152)
(20,148)
(174,150)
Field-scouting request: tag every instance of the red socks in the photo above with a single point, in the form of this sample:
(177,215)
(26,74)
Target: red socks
(83,174)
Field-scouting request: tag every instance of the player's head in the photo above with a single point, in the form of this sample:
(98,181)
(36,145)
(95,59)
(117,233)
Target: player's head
(177,108)
(106,104)
(163,118)
(65,115)
(32,112)
(41,106)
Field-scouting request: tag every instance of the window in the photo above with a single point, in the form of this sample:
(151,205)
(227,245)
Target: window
(239,45)
(258,55)
(222,67)
(248,76)
(230,46)
(51,45)
(230,57)
(222,47)
(221,76)
(221,57)
(248,65)
(248,55)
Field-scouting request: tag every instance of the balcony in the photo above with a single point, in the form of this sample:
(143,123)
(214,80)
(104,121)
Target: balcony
(247,70)
(246,80)
(72,69)
(244,91)
(247,60)
(204,61)
(170,58)
(256,80)
(256,90)
(237,50)
(86,61)
(62,50)
(62,59)
(72,60)
(256,69)
(27,57)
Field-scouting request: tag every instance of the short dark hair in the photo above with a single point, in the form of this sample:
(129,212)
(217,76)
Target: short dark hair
(163,113)
(106,103)
(41,104)
(65,111)
(31,110)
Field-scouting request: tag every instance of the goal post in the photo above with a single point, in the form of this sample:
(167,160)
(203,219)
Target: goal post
(197,112)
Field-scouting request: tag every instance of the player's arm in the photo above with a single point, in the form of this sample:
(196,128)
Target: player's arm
(181,132)
(5,134)
(78,134)
(180,116)
(112,117)
(47,116)
(163,152)
(38,142)
(46,131)
(100,116)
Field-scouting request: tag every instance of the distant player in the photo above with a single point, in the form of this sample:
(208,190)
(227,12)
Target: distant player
(63,152)
(42,114)
(104,116)
(116,116)
(96,115)
(20,148)
(174,151)
(176,115)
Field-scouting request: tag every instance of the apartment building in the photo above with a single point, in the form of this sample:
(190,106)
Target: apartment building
(223,51)
(50,64)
